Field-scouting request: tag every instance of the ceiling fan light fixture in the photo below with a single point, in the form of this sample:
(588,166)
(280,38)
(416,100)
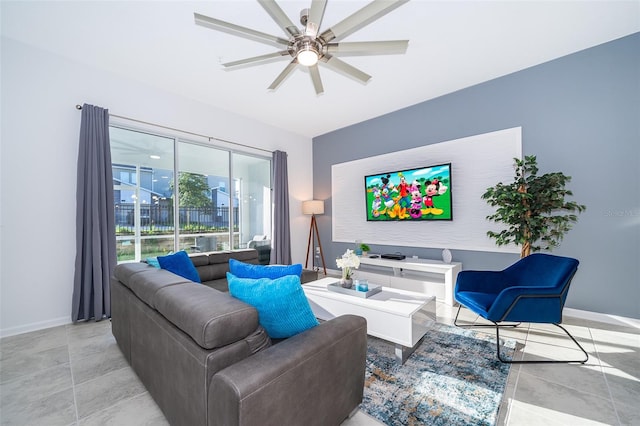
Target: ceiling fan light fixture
(307,46)
(307,56)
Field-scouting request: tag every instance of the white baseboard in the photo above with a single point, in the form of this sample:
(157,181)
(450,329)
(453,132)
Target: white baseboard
(606,318)
(34,326)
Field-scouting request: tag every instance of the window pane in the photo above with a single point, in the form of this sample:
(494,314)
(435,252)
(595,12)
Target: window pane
(204,198)
(252,187)
(208,211)
(142,176)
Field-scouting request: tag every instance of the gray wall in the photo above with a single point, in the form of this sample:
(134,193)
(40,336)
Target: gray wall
(580,114)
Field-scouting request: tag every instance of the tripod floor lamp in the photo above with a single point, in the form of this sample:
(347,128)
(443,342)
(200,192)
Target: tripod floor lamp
(314,207)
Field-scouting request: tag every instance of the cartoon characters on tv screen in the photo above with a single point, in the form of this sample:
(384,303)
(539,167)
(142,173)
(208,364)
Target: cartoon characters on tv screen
(411,196)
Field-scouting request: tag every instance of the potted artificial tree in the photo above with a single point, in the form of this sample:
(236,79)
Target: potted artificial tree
(533,208)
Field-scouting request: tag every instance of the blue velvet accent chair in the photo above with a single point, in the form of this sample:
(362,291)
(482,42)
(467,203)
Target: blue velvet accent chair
(532,290)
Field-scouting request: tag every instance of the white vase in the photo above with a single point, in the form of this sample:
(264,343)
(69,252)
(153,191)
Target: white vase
(446,256)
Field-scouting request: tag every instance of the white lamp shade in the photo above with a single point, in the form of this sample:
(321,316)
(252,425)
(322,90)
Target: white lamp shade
(313,207)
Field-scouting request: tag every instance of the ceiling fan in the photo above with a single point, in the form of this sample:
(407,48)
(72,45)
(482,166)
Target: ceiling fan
(308,46)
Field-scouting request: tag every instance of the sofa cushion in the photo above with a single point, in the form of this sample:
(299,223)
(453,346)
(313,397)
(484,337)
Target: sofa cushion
(180,264)
(145,280)
(212,319)
(245,270)
(283,309)
(199,259)
(247,255)
(124,271)
(213,272)
(220,284)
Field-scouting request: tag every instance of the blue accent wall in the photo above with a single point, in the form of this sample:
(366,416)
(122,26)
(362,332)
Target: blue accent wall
(580,114)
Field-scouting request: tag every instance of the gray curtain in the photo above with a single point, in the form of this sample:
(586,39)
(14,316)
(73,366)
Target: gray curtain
(95,224)
(281,253)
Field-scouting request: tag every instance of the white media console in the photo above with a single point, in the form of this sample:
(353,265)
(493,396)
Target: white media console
(431,277)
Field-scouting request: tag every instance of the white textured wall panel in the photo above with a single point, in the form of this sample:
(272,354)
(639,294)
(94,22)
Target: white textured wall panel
(477,162)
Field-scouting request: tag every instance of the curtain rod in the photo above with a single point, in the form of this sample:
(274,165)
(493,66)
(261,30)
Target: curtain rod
(210,138)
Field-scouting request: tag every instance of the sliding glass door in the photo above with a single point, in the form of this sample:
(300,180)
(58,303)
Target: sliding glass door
(142,185)
(173,194)
(252,188)
(206,207)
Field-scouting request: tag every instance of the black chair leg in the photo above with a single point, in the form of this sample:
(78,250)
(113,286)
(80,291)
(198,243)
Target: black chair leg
(548,361)
(455,322)
(506,361)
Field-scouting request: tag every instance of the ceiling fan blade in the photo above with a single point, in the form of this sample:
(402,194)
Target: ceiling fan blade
(280,17)
(315,78)
(256,60)
(361,18)
(343,67)
(239,31)
(284,74)
(364,48)
(315,17)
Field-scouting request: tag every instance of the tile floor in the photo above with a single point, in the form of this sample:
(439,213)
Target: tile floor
(76,375)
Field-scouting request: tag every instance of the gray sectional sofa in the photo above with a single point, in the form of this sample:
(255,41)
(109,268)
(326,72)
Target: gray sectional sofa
(205,359)
(213,266)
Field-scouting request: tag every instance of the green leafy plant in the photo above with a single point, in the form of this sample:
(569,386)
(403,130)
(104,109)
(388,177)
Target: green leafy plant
(364,247)
(533,208)
(194,190)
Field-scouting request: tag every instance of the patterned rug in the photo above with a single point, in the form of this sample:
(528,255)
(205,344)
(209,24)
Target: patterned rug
(453,378)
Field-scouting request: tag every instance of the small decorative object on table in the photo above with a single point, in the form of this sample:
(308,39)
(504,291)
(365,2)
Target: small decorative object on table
(446,256)
(362,285)
(365,249)
(357,248)
(372,289)
(346,282)
(348,262)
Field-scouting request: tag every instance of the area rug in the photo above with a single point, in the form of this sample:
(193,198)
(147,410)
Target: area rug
(453,378)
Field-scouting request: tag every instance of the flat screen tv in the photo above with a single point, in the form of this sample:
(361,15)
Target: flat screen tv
(410,195)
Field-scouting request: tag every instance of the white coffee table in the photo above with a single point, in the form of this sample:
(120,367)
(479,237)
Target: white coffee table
(398,316)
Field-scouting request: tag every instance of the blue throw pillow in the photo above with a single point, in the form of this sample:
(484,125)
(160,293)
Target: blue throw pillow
(153,261)
(180,264)
(248,270)
(283,309)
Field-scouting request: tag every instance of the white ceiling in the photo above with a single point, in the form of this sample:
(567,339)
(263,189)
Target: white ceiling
(453,45)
